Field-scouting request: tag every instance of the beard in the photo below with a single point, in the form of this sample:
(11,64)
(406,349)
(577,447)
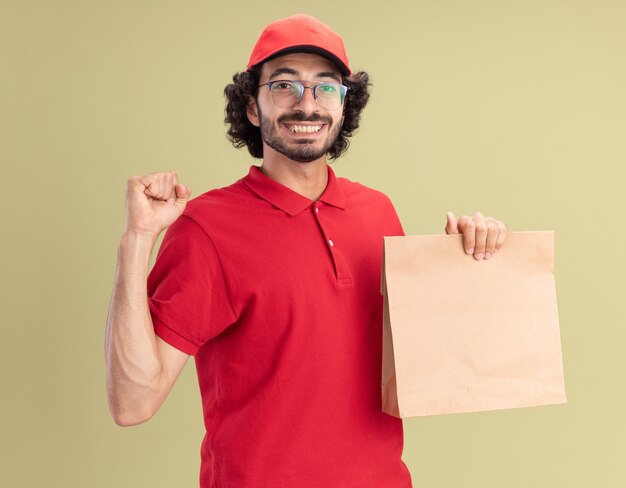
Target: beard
(300,150)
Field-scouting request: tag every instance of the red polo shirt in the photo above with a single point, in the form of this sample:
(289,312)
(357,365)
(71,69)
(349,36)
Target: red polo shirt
(278,298)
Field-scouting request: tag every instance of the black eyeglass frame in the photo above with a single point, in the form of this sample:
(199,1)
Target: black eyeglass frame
(312,88)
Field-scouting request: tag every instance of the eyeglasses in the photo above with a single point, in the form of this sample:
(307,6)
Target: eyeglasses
(287,93)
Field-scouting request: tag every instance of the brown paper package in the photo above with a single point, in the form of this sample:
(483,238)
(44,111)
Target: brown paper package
(465,335)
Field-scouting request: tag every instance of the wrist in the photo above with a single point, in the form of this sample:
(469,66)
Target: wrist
(133,239)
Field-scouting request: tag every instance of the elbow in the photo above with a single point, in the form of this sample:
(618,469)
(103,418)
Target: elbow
(132,406)
(128,418)
(128,421)
(126,415)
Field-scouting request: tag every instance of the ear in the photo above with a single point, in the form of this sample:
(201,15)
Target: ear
(252,111)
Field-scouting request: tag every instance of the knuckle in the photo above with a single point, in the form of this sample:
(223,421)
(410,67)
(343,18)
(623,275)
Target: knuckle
(481,227)
(469,224)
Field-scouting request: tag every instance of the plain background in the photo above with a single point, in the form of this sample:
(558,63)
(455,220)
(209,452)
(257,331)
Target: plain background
(516,109)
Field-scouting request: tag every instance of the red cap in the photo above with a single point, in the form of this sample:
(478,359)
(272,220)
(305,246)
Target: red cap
(300,34)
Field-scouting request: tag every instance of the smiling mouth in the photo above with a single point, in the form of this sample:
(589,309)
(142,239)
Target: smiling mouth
(304,128)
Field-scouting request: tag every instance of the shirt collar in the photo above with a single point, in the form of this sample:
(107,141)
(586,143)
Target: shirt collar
(288,200)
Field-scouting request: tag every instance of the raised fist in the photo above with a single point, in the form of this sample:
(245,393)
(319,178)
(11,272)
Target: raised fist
(154,201)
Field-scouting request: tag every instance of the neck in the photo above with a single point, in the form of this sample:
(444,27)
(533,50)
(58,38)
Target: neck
(307,179)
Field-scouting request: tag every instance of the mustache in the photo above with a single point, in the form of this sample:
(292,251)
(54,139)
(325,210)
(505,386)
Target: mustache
(300,117)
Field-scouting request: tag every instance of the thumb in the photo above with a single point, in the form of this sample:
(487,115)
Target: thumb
(182,195)
(451,226)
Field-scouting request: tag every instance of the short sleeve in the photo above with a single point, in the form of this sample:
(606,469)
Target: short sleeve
(394,226)
(188,295)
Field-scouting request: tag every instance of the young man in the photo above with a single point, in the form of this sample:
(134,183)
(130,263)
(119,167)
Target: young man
(272,284)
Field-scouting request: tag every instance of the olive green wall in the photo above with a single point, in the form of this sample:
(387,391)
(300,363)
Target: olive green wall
(516,109)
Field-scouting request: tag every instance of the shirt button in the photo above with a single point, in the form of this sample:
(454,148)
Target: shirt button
(331,243)
(317,210)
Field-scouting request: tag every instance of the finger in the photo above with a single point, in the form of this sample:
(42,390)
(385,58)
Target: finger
(501,235)
(492,236)
(467,227)
(164,183)
(168,190)
(162,179)
(138,183)
(481,235)
(451,225)
(174,183)
(157,187)
(153,183)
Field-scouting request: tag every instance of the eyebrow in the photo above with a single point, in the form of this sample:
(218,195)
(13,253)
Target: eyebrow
(290,71)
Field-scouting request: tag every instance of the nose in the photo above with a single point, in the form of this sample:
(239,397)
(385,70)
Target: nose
(307,103)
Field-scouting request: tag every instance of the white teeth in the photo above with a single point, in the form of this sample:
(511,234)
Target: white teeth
(304,128)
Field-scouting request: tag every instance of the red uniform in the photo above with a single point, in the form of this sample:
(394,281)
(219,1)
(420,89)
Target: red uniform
(278,298)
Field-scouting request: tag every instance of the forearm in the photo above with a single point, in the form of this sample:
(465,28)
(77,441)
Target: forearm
(133,366)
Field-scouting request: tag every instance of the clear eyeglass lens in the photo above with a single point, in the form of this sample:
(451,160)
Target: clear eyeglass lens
(286,94)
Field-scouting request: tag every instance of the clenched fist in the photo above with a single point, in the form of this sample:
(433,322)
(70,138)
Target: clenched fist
(154,201)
